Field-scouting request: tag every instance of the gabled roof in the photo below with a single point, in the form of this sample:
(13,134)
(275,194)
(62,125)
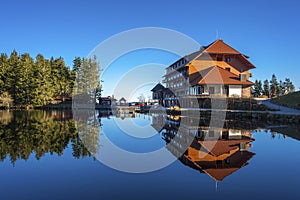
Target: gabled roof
(220,47)
(217,47)
(220,174)
(237,161)
(216,75)
(220,147)
(220,171)
(168,91)
(158,87)
(122,99)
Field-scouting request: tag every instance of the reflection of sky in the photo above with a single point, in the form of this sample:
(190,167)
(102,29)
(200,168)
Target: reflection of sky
(138,137)
(273,173)
(122,66)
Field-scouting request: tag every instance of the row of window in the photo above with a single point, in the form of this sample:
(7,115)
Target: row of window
(174,77)
(177,75)
(179,64)
(175,85)
(227,59)
(183,62)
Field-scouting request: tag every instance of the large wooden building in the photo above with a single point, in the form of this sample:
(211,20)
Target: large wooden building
(214,70)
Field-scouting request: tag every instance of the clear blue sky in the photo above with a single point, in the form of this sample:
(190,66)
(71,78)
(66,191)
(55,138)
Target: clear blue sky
(267,31)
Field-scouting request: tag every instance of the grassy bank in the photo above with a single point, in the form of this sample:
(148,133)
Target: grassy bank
(291,100)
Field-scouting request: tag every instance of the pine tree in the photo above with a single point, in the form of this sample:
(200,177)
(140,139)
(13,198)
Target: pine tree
(99,92)
(260,89)
(25,80)
(281,89)
(61,76)
(44,92)
(37,82)
(266,88)
(273,86)
(87,83)
(4,65)
(288,85)
(13,76)
(74,73)
(257,88)
(292,87)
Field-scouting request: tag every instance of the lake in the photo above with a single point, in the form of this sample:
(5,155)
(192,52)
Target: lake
(49,155)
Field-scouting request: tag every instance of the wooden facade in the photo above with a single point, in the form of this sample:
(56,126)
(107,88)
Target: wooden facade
(214,70)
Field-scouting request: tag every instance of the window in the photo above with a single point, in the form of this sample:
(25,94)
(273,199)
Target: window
(200,89)
(219,162)
(228,59)
(211,90)
(243,77)
(227,69)
(194,90)
(225,134)
(219,58)
(211,133)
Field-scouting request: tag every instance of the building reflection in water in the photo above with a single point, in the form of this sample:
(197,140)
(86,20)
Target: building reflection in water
(218,152)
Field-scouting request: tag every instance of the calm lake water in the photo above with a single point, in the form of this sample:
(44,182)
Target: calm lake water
(44,157)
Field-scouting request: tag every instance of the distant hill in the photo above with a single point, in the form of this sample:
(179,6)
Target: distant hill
(291,100)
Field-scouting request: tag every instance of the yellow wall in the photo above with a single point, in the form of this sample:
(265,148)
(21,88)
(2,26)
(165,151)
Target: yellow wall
(235,65)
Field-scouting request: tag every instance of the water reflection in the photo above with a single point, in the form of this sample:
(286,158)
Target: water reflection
(38,133)
(217,152)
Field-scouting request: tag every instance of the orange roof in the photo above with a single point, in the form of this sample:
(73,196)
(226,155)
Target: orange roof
(199,65)
(220,174)
(220,147)
(216,75)
(221,47)
(237,161)
(217,47)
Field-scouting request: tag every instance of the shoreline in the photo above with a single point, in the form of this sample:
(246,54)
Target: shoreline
(276,116)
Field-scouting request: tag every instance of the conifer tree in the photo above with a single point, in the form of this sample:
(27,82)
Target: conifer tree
(266,88)
(273,86)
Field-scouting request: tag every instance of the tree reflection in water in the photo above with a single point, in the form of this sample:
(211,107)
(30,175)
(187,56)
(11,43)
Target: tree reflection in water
(26,133)
(23,133)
